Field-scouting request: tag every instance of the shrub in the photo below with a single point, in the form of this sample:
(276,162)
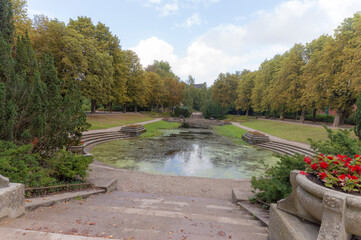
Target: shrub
(181,112)
(66,166)
(338,142)
(22,166)
(212,110)
(336,171)
(275,184)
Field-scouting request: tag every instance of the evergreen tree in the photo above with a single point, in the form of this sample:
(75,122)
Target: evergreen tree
(357,127)
(6,21)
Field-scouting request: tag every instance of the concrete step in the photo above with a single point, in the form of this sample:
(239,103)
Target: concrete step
(20,234)
(104,137)
(292,147)
(279,150)
(125,215)
(100,134)
(97,140)
(285,148)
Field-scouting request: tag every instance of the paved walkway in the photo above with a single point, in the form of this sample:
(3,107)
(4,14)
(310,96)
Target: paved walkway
(274,138)
(116,129)
(308,123)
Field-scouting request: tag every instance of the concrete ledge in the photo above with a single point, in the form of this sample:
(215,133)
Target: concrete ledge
(12,200)
(109,184)
(239,194)
(33,203)
(284,226)
(260,214)
(20,234)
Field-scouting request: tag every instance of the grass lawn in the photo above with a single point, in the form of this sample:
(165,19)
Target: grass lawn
(292,132)
(239,118)
(103,121)
(231,131)
(153,128)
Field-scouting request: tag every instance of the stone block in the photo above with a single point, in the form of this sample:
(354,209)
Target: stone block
(12,200)
(285,226)
(4,182)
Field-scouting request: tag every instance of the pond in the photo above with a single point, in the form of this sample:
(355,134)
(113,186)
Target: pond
(186,152)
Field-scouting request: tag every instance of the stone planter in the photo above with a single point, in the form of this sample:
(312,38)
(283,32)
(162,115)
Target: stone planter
(77,149)
(133,130)
(338,213)
(255,138)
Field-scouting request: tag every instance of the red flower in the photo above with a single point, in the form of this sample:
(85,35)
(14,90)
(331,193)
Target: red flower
(323,165)
(354,177)
(336,163)
(330,157)
(314,166)
(307,160)
(356,156)
(342,177)
(322,175)
(303,173)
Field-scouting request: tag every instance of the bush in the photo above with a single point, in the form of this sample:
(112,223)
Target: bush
(275,184)
(338,142)
(181,112)
(212,110)
(66,166)
(22,166)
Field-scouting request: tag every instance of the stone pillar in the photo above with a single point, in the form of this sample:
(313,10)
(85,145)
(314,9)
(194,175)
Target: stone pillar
(12,198)
(333,218)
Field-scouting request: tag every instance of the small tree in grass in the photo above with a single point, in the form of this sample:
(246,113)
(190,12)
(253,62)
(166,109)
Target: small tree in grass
(357,128)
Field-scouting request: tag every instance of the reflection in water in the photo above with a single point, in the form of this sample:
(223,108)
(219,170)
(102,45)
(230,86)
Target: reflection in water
(186,152)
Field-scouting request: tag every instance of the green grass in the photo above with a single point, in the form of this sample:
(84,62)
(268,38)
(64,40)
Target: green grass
(231,131)
(288,131)
(153,129)
(156,114)
(239,118)
(104,121)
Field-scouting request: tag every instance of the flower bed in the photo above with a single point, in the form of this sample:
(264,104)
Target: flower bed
(338,172)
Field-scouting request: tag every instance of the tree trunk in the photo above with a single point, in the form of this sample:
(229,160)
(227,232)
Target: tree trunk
(247,112)
(282,115)
(124,108)
(93,106)
(303,115)
(135,108)
(222,111)
(343,117)
(152,108)
(314,115)
(296,115)
(337,120)
(268,115)
(111,106)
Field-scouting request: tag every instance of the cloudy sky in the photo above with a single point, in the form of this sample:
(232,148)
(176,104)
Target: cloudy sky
(203,38)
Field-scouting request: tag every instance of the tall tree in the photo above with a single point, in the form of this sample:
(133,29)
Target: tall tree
(224,90)
(244,90)
(136,87)
(21,20)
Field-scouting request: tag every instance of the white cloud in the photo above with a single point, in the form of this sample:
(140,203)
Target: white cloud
(191,21)
(154,49)
(169,7)
(231,47)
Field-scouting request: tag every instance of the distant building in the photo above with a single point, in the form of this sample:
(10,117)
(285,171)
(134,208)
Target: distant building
(198,85)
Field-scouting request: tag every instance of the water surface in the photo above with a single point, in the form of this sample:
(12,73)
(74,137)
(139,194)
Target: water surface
(186,152)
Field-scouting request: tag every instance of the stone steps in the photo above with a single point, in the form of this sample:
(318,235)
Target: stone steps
(102,138)
(283,148)
(124,215)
